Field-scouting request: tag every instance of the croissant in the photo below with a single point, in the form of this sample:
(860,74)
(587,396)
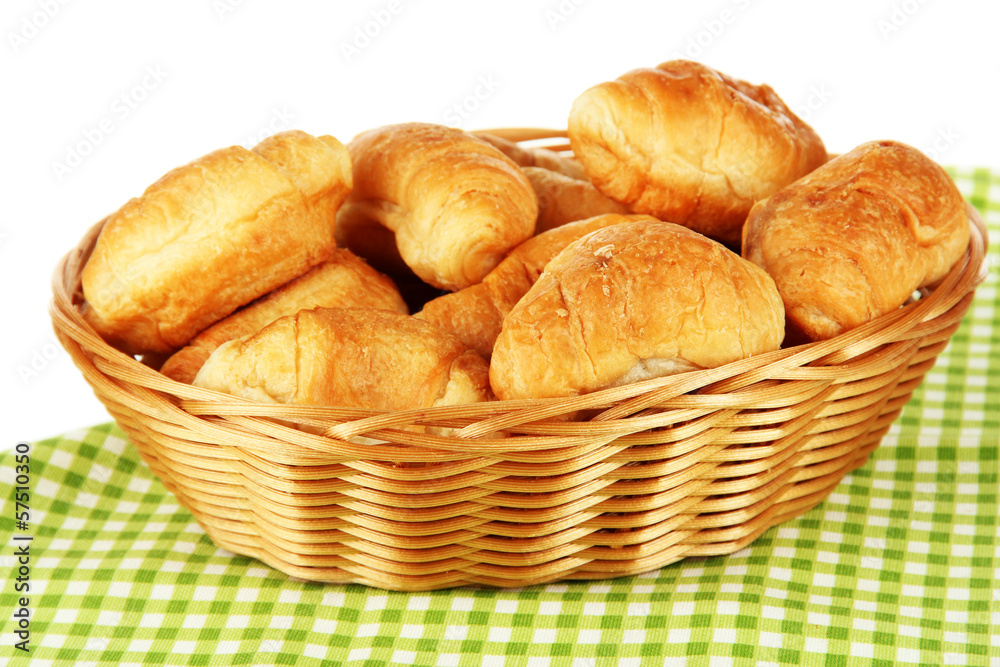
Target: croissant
(457,205)
(691,145)
(542,158)
(631,302)
(855,238)
(475,314)
(350,357)
(211,236)
(369,240)
(343,281)
(562,199)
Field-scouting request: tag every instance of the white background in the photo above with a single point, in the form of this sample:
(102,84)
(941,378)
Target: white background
(142,90)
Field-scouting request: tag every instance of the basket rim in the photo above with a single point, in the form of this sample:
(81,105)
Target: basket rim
(620,408)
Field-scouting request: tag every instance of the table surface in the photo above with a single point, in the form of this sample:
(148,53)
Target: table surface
(900,565)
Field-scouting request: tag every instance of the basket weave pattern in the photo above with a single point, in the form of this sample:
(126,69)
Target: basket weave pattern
(698,464)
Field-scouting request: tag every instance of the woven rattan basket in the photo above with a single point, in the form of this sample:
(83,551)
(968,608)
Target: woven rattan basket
(698,464)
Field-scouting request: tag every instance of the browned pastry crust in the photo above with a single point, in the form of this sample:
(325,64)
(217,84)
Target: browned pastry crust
(475,314)
(562,199)
(343,281)
(369,240)
(349,357)
(525,156)
(690,145)
(854,239)
(456,204)
(211,236)
(631,302)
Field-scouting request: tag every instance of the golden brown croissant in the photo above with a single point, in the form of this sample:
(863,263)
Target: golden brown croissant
(212,236)
(525,156)
(690,145)
(343,281)
(854,239)
(369,240)
(562,199)
(475,314)
(632,302)
(350,357)
(456,204)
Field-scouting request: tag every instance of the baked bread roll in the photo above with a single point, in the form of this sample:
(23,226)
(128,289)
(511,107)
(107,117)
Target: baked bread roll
(691,145)
(349,357)
(212,236)
(543,158)
(562,199)
(369,240)
(343,281)
(377,246)
(855,238)
(456,204)
(475,314)
(631,302)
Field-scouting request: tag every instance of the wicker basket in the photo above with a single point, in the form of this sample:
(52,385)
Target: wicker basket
(698,464)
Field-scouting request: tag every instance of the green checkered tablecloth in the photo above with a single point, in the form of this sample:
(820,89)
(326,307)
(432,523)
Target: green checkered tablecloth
(901,565)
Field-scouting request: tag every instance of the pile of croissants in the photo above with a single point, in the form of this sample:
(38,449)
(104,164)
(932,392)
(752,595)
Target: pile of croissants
(697,222)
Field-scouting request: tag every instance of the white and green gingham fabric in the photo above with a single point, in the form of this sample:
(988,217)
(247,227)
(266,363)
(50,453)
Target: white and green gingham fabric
(899,566)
